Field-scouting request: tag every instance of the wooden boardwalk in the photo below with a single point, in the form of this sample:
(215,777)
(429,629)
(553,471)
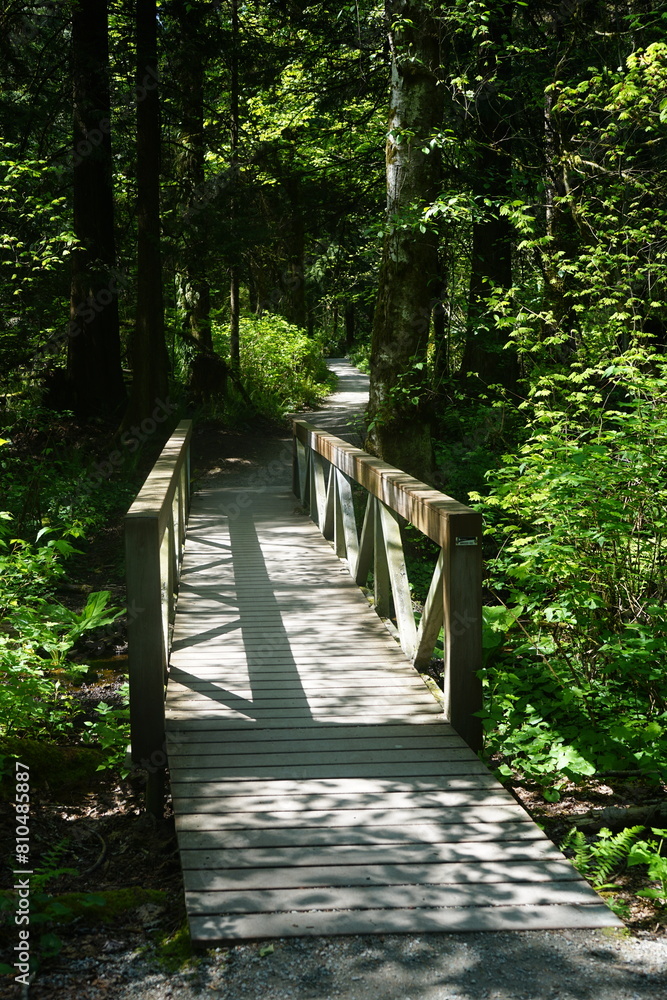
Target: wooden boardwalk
(317,788)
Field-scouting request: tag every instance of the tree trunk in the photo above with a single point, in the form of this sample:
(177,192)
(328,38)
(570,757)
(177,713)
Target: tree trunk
(349,326)
(94,370)
(399,426)
(485,353)
(234,318)
(564,241)
(150,360)
(441,359)
(294,278)
(234,279)
(188,67)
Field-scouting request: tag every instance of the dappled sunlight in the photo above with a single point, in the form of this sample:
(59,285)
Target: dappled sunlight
(317,787)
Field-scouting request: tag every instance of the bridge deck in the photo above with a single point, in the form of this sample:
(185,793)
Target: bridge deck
(316,786)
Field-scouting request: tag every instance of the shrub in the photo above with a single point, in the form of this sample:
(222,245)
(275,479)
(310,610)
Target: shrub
(282,369)
(580,519)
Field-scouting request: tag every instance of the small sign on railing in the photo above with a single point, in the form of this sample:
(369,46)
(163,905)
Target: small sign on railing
(466,541)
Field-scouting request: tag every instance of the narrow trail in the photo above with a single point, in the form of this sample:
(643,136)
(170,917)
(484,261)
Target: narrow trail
(316,786)
(521,965)
(517,965)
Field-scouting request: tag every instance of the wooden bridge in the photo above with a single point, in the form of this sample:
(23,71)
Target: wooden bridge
(318,784)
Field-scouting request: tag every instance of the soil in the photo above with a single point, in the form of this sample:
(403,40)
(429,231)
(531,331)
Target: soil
(96,839)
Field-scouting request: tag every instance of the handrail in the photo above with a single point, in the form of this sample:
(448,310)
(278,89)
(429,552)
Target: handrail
(455,595)
(154,539)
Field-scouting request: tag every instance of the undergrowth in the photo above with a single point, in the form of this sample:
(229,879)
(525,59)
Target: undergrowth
(282,369)
(577,516)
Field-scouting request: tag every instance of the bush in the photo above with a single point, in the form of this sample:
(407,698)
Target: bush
(580,519)
(282,369)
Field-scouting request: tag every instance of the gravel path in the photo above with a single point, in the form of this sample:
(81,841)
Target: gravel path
(523,965)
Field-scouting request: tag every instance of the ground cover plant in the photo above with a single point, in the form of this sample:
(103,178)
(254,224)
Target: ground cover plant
(578,517)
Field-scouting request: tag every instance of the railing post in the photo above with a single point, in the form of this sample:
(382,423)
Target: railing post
(381,582)
(462,612)
(154,538)
(366,544)
(147,656)
(296,479)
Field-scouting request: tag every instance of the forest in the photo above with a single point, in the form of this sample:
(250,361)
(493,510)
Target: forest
(201,201)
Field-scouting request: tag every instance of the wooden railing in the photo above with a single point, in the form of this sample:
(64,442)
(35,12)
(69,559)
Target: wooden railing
(324,468)
(154,539)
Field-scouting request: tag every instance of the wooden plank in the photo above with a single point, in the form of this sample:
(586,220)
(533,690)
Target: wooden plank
(156,495)
(366,544)
(344,770)
(305,486)
(255,679)
(348,524)
(241,676)
(462,613)
(297,658)
(209,717)
(189,748)
(398,576)
(416,502)
(272,693)
(171,576)
(199,740)
(293,877)
(147,657)
(329,786)
(297,450)
(300,659)
(424,833)
(182,694)
(183,508)
(164,569)
(213,929)
(274,758)
(353,817)
(200,866)
(368,897)
(198,731)
(316,744)
(432,617)
(213,646)
(207,810)
(318,497)
(381,581)
(288,681)
(328,528)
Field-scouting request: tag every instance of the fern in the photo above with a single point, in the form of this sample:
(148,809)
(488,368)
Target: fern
(601,859)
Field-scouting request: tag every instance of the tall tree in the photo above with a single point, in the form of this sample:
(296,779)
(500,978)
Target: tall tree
(93,358)
(486,353)
(234,274)
(188,63)
(400,431)
(149,352)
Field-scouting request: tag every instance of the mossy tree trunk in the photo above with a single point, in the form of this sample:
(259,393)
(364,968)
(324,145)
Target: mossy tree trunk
(398,418)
